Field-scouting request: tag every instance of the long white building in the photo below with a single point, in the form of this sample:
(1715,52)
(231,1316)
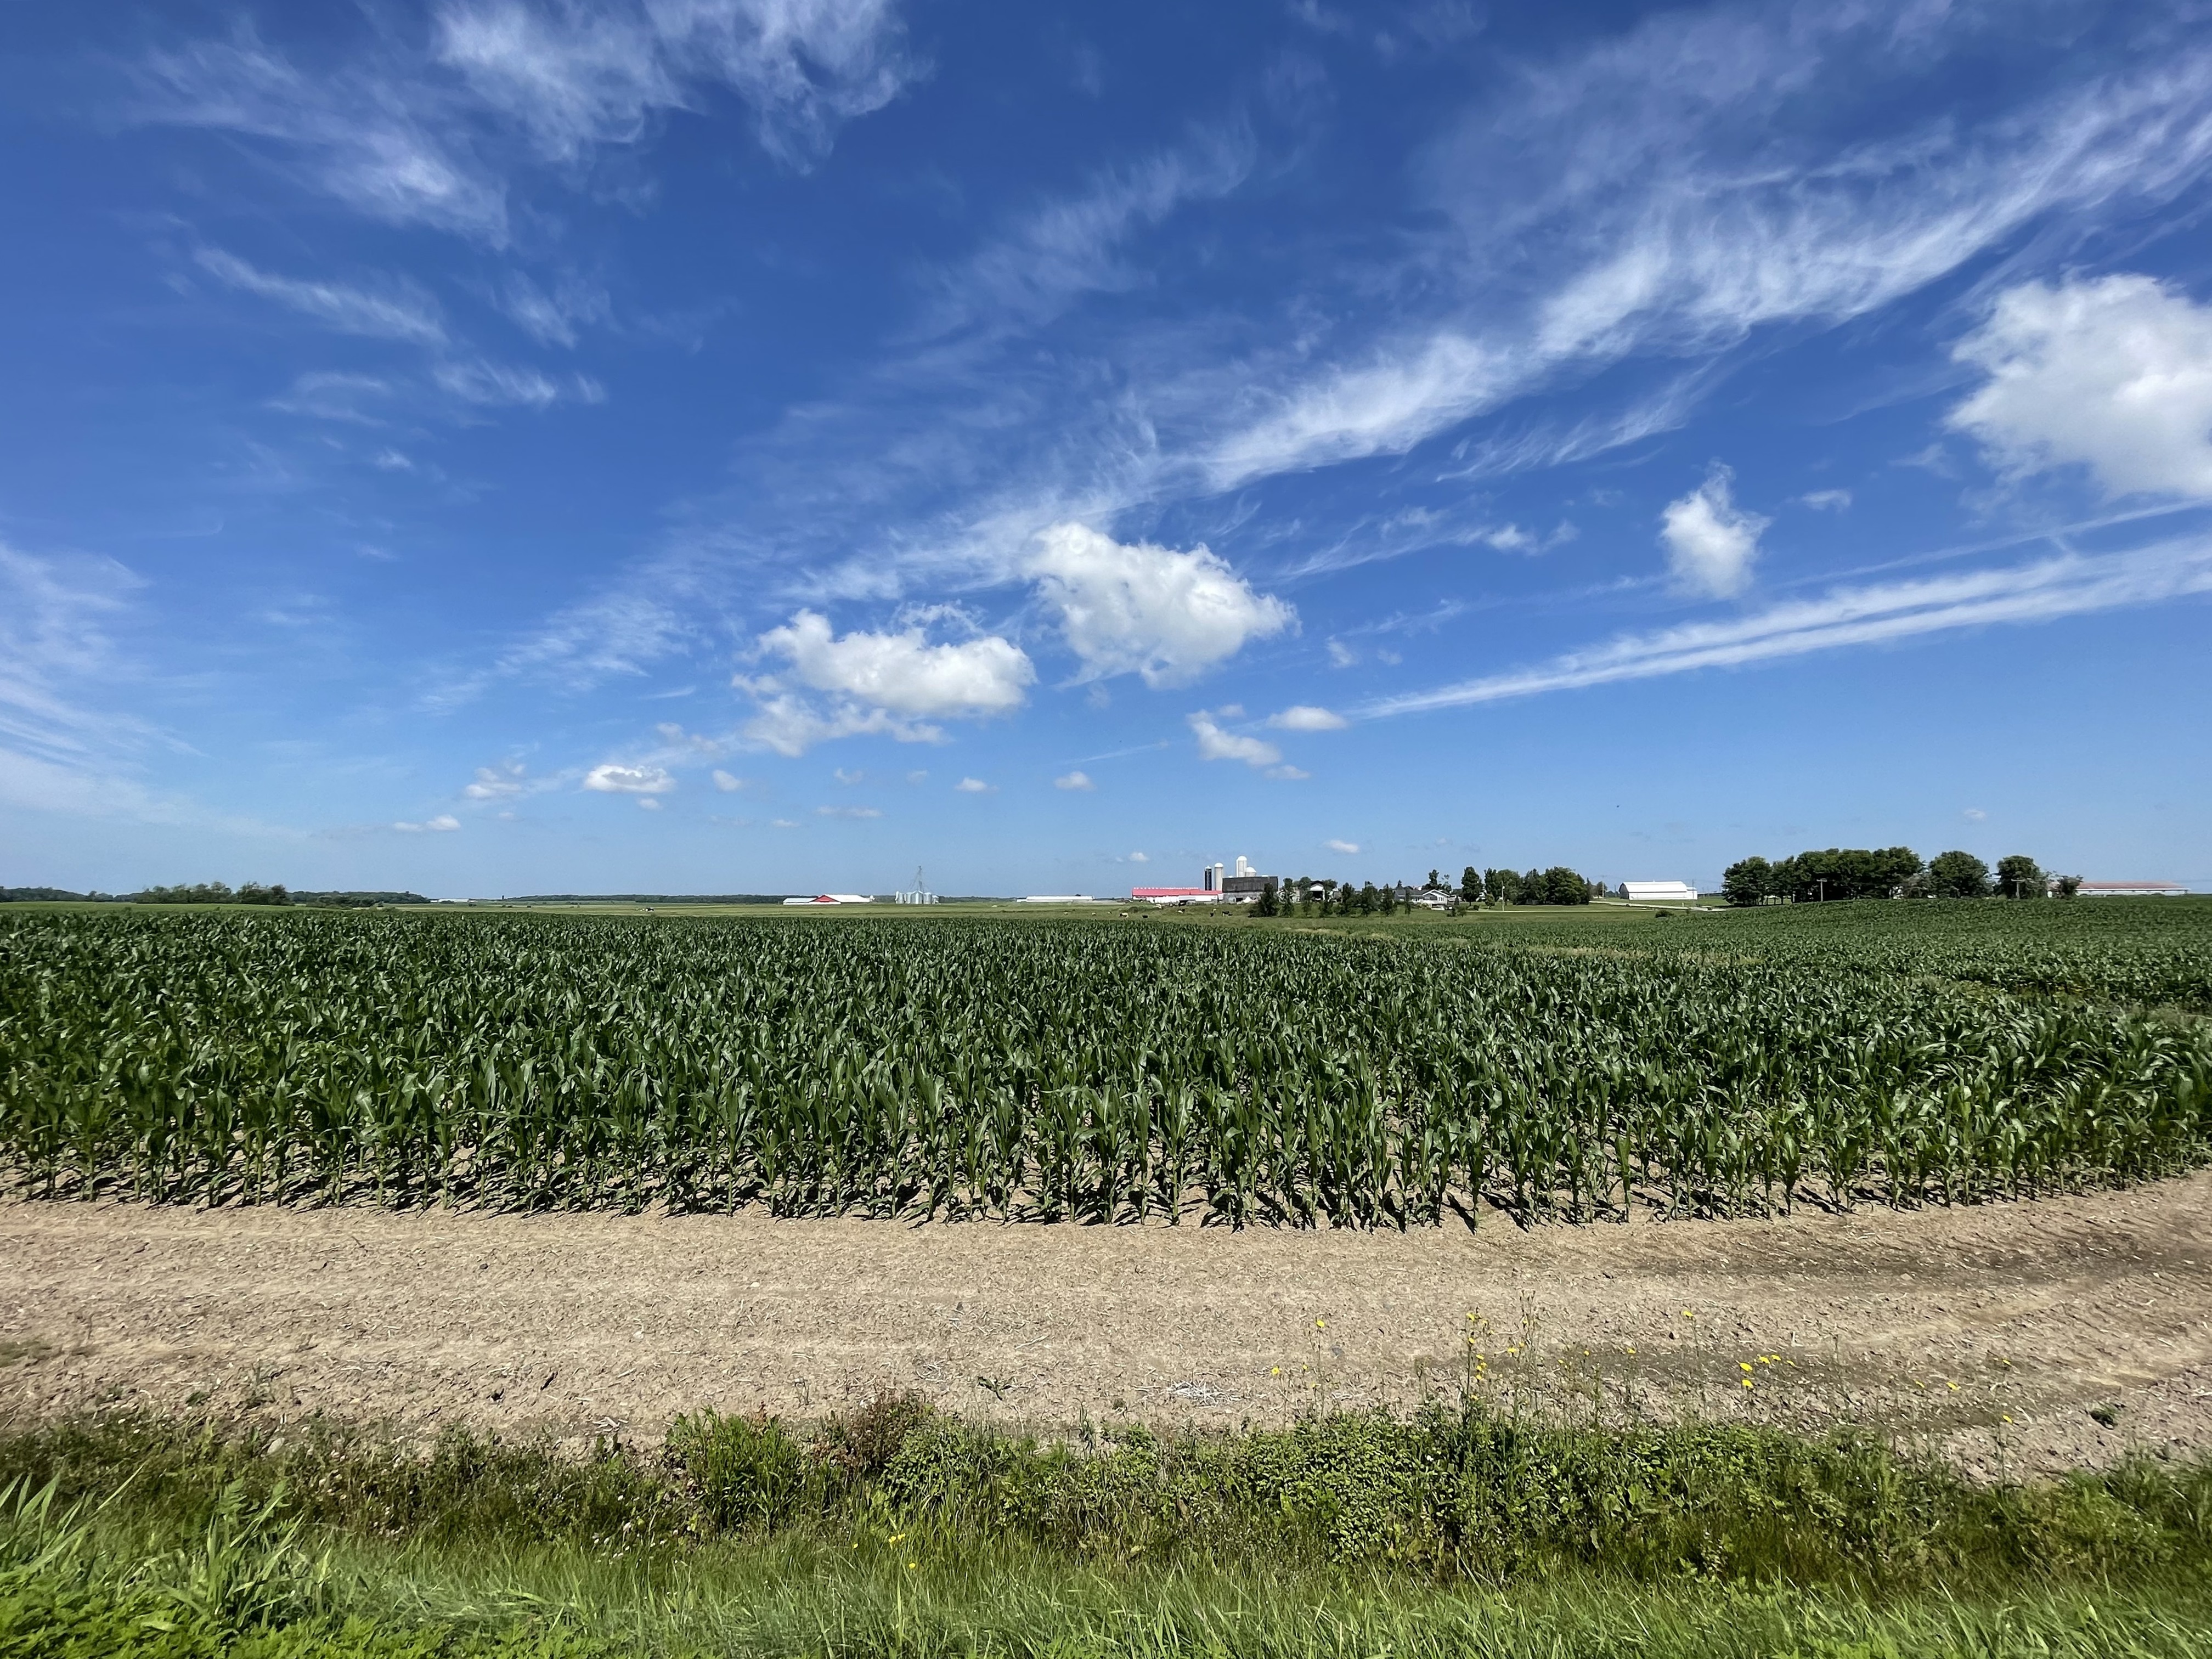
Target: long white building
(1658,892)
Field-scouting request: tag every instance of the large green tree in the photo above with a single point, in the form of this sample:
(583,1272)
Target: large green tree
(1747,881)
(1559,885)
(2019,877)
(1470,886)
(1958,875)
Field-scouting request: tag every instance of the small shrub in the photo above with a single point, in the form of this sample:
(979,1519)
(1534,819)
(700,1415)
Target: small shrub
(746,1470)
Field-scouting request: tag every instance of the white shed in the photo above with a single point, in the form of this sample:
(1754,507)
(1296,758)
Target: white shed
(1658,892)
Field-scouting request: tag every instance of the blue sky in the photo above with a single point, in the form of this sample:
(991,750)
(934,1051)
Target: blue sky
(768,445)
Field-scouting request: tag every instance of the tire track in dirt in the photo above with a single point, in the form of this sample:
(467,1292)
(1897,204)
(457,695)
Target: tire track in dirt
(1938,1324)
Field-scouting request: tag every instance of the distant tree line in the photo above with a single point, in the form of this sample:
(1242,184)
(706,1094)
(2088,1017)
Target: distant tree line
(212,892)
(208,892)
(1854,873)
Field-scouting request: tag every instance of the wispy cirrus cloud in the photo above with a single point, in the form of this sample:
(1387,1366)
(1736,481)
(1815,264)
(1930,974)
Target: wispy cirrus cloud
(1642,199)
(395,310)
(430,130)
(56,650)
(1073,245)
(2045,591)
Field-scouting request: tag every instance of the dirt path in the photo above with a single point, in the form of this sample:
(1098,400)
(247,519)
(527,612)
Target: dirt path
(1946,1322)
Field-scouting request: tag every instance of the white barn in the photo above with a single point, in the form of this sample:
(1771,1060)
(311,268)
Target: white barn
(1658,892)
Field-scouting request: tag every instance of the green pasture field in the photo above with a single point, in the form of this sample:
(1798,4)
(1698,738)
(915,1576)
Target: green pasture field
(1164,1067)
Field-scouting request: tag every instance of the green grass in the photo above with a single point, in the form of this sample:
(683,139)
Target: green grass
(896,1531)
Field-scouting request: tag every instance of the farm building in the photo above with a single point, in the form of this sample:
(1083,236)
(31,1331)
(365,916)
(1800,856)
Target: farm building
(833,898)
(1219,885)
(1658,892)
(2131,890)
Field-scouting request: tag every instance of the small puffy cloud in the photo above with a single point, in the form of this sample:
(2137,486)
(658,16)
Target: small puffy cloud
(1137,609)
(727,783)
(1307,717)
(1139,858)
(919,775)
(848,812)
(784,824)
(1512,539)
(975,786)
(1288,774)
(1974,813)
(497,783)
(1711,542)
(1214,744)
(650,803)
(1341,655)
(1079,780)
(2113,374)
(444,821)
(1346,847)
(849,778)
(613,780)
(890,683)
(1827,500)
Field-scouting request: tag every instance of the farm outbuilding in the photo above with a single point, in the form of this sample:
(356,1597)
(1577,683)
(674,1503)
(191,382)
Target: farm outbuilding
(1658,892)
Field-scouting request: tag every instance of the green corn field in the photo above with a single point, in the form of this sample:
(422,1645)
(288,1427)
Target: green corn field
(1090,1070)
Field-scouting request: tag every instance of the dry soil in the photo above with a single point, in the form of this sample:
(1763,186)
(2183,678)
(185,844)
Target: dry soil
(2026,1336)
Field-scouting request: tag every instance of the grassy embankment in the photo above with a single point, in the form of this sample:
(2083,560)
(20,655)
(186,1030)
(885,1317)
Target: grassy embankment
(901,1531)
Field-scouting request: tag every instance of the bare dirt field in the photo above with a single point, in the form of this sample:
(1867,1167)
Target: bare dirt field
(2025,1336)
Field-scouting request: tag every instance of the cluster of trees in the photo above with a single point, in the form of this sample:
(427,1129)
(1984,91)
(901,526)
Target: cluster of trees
(1308,896)
(1850,873)
(214,893)
(1557,885)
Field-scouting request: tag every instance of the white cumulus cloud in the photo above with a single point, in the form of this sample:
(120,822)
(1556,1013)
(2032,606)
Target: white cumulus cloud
(1214,744)
(1133,608)
(1346,847)
(612,778)
(1077,780)
(889,684)
(903,671)
(2113,374)
(1710,541)
(727,782)
(975,786)
(1307,717)
(443,822)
